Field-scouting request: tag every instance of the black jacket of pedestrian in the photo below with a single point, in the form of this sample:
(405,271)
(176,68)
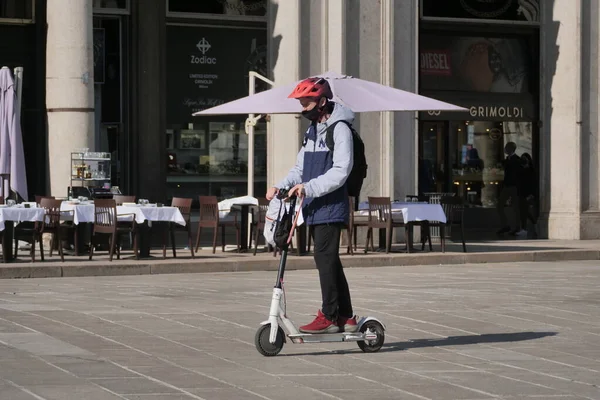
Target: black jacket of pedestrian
(527,182)
(512,170)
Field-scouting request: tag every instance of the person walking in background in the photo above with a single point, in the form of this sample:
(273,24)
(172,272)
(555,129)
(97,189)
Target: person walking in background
(527,185)
(477,166)
(512,173)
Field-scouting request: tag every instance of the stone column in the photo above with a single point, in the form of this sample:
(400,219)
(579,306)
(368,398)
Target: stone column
(149,79)
(283,132)
(334,39)
(404,134)
(590,146)
(560,135)
(69,87)
(386,142)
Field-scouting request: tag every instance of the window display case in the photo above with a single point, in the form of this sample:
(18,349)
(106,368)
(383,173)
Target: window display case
(90,169)
(212,159)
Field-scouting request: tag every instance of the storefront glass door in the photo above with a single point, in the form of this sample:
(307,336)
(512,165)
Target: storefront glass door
(465,157)
(110,77)
(433,165)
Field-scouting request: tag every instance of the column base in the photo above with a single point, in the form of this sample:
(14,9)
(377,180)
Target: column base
(590,225)
(560,225)
(570,226)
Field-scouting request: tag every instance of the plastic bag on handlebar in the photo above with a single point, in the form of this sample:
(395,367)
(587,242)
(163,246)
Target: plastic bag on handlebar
(283,227)
(279,220)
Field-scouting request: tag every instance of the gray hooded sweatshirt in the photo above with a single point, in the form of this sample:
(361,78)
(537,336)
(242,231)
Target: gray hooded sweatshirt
(323,172)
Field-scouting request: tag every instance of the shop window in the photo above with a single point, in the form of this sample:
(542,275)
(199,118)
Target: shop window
(466,157)
(114,4)
(475,64)
(206,67)
(211,158)
(256,8)
(17,10)
(527,11)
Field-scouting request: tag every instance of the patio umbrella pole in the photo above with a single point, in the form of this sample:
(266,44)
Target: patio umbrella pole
(250,124)
(19,90)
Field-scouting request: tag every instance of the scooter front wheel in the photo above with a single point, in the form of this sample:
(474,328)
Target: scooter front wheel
(261,341)
(372,346)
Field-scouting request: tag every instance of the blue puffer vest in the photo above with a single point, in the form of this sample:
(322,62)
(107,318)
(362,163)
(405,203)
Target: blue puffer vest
(318,159)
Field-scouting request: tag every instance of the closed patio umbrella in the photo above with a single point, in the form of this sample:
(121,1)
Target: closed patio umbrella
(12,157)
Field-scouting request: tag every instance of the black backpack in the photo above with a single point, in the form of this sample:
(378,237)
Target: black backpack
(359,168)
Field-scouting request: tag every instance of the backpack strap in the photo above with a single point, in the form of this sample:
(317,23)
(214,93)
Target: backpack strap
(329,136)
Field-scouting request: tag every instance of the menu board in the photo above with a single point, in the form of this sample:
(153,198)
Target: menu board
(208,66)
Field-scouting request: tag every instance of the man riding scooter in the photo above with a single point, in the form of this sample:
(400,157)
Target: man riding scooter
(320,176)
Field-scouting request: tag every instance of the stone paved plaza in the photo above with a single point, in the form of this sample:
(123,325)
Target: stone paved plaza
(487,331)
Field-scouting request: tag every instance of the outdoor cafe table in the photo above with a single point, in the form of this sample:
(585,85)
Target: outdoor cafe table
(144,216)
(412,212)
(242,204)
(10,215)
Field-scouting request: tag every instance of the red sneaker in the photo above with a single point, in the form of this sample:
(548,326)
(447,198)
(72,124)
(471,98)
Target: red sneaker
(347,324)
(320,325)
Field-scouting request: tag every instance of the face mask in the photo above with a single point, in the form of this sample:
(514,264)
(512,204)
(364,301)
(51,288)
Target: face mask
(314,114)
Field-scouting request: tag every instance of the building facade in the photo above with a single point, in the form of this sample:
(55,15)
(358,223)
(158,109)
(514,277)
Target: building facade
(124,77)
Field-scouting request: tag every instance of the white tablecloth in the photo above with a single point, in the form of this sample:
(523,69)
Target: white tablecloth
(412,211)
(85,213)
(227,209)
(153,214)
(77,213)
(20,214)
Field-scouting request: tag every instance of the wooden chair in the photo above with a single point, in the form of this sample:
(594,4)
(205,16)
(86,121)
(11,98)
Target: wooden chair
(185,207)
(209,218)
(29,232)
(38,199)
(355,221)
(454,209)
(257,226)
(52,225)
(105,222)
(380,217)
(120,199)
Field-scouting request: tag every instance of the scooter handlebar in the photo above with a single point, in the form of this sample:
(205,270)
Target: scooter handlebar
(282,194)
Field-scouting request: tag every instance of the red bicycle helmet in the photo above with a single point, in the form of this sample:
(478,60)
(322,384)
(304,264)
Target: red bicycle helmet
(312,87)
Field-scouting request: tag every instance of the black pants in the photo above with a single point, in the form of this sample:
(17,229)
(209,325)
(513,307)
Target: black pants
(525,212)
(334,287)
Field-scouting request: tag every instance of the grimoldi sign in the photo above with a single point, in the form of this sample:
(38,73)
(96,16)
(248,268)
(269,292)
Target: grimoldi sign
(496,111)
(485,112)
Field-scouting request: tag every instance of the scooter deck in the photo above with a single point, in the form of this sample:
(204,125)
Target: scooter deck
(332,337)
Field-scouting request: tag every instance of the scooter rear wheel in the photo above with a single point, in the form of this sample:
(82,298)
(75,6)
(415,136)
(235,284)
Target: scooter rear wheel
(261,341)
(372,346)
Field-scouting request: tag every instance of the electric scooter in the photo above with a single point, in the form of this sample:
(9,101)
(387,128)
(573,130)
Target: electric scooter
(271,335)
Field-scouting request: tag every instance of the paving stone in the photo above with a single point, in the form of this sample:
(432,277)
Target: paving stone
(470,331)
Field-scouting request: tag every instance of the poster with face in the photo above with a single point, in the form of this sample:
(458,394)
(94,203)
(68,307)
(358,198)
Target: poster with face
(474,64)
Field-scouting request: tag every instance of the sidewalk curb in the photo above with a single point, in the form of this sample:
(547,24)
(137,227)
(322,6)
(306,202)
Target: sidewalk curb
(117,268)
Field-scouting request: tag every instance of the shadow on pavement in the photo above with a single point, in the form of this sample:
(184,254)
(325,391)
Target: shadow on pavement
(449,341)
